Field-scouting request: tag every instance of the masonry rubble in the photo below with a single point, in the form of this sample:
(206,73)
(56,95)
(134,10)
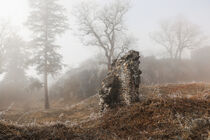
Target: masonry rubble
(121,85)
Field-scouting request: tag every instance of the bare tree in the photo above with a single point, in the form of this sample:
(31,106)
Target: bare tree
(177,36)
(104,28)
(15,64)
(4,33)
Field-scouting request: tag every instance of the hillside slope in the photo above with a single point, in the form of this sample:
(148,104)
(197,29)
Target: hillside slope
(157,116)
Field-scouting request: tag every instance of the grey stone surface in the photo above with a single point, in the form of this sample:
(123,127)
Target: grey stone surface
(121,85)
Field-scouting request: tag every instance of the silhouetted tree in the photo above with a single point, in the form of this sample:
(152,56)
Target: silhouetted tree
(15,64)
(34,85)
(47,21)
(178,35)
(104,28)
(4,33)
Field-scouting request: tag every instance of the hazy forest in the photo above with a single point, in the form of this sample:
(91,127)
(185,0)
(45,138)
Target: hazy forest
(104,70)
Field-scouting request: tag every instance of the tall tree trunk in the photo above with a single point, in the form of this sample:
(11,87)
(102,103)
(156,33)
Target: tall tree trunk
(170,51)
(47,105)
(180,54)
(109,63)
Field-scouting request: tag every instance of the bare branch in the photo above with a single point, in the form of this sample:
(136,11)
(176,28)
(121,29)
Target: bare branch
(104,27)
(177,36)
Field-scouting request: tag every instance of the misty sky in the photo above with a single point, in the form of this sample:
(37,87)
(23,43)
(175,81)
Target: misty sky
(142,19)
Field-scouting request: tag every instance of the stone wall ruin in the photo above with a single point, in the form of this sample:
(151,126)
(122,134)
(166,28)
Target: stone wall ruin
(121,85)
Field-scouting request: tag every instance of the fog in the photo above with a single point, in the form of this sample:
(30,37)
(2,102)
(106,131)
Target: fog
(104,69)
(142,19)
(155,28)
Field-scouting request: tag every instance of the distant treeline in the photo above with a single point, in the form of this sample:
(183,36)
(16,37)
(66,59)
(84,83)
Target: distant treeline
(85,80)
(161,71)
(80,82)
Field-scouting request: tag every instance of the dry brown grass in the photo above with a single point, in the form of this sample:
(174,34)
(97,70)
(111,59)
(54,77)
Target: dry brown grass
(160,115)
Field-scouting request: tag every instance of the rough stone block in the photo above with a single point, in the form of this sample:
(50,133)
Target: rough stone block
(121,85)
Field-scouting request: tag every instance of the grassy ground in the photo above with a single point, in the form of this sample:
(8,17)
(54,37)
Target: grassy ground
(165,112)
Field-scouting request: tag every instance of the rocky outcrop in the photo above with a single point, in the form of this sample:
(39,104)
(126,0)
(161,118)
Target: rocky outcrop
(121,85)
